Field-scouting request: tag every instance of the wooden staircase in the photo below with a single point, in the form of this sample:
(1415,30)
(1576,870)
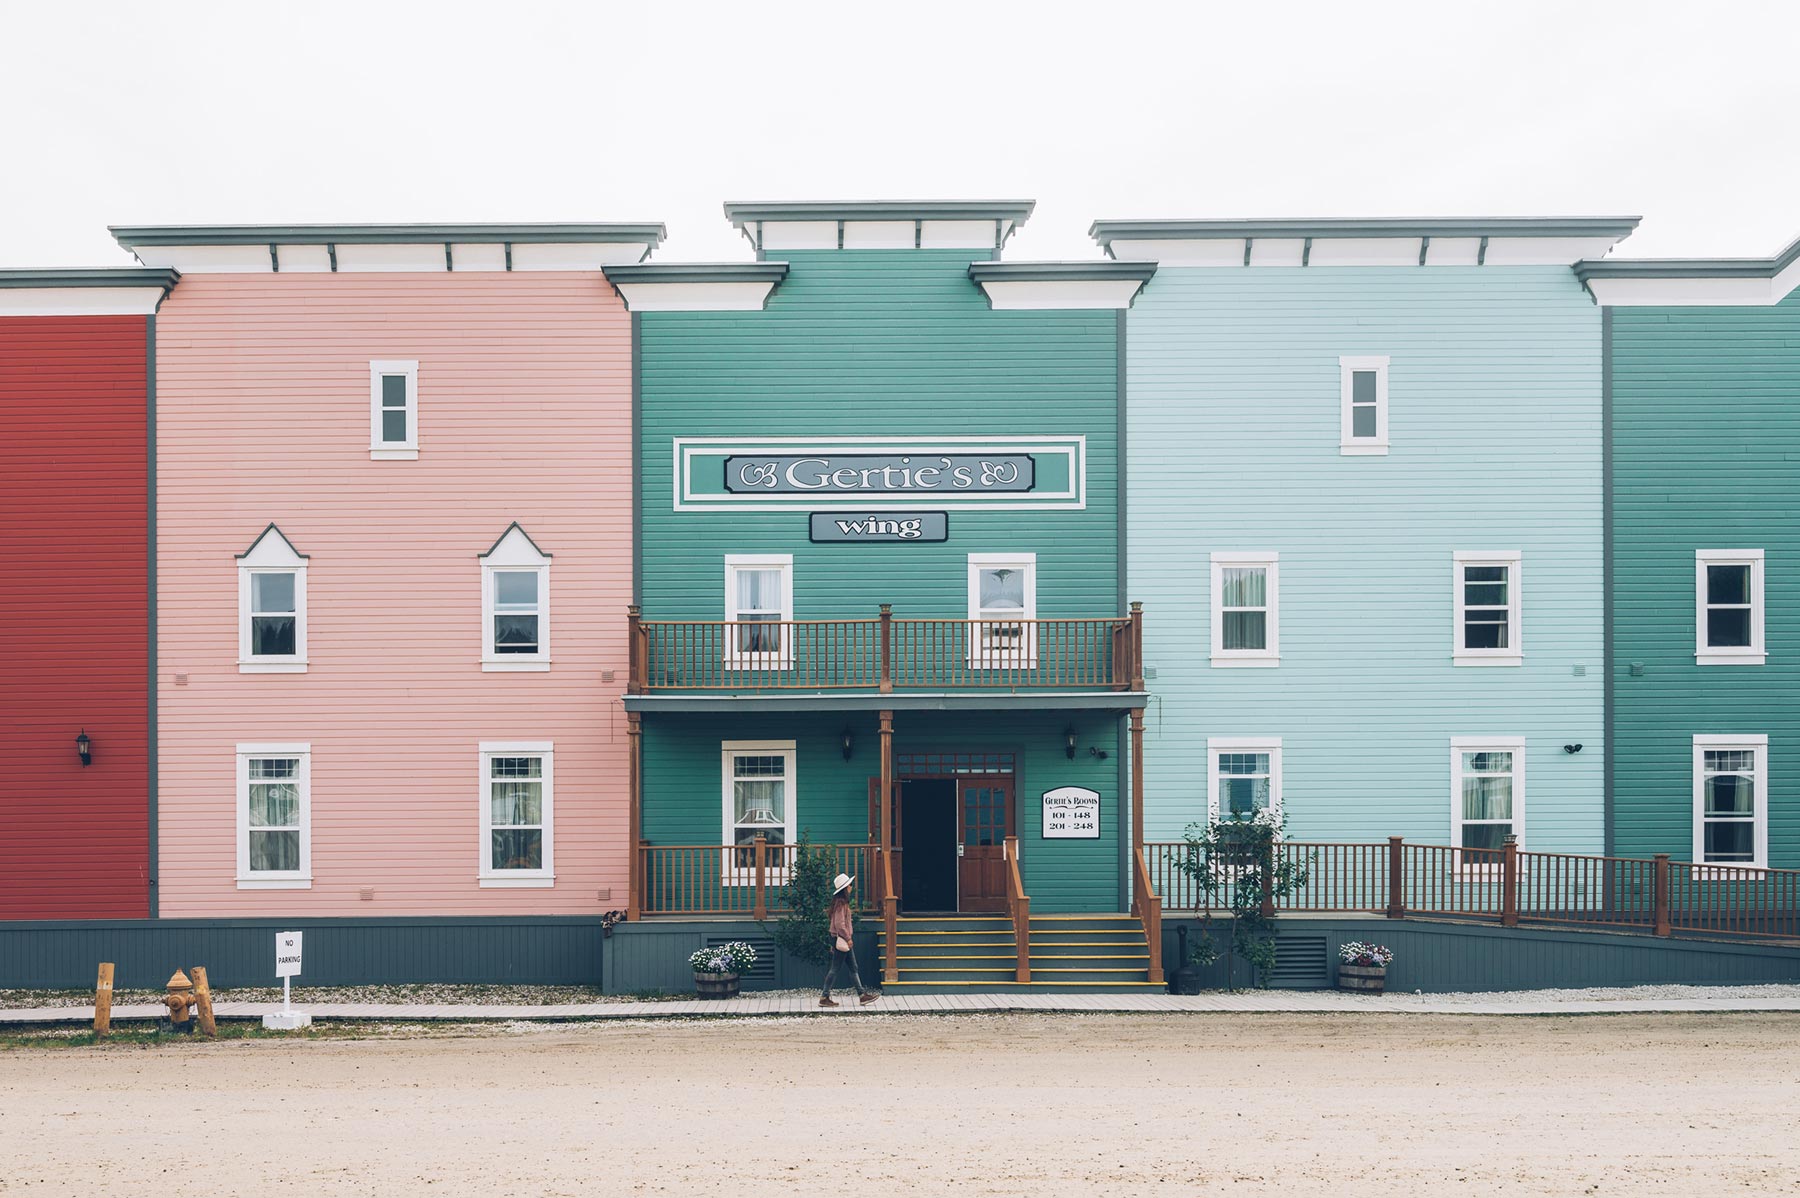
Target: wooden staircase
(958,954)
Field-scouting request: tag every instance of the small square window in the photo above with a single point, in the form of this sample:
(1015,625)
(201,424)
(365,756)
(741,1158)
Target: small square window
(394,410)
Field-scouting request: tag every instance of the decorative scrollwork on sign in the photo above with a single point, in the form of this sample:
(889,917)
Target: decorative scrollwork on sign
(999,474)
(759,474)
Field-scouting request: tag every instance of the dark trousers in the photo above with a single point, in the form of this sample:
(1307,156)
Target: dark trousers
(848,958)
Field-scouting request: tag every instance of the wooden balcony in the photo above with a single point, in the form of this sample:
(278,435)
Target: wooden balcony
(886,655)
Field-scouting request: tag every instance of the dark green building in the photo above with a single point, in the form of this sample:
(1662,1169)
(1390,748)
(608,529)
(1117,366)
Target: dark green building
(1703,556)
(880,583)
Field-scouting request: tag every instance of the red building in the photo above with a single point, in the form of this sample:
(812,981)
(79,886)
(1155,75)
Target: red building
(76,409)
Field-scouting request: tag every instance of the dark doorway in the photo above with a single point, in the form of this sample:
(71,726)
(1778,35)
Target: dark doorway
(928,844)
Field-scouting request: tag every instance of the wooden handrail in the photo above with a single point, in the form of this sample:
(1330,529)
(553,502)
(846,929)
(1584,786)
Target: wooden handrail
(1147,906)
(1018,903)
(890,918)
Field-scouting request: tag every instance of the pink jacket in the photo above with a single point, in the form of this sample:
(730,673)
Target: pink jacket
(840,919)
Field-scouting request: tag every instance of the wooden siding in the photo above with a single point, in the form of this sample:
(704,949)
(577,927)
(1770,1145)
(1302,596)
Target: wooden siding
(683,783)
(896,344)
(74,617)
(524,414)
(1495,427)
(1706,437)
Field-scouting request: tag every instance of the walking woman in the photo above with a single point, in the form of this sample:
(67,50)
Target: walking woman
(843,942)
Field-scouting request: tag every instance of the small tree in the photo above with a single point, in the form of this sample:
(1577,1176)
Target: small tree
(1235,865)
(805,931)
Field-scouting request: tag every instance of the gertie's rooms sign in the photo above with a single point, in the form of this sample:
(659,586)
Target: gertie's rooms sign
(749,474)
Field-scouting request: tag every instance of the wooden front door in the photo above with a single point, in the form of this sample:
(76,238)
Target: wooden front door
(985,806)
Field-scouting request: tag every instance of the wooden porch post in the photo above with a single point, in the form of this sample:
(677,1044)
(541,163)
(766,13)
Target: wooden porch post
(1137,779)
(635,666)
(887,781)
(1661,923)
(890,903)
(1396,878)
(1137,646)
(760,909)
(634,868)
(887,648)
(1509,883)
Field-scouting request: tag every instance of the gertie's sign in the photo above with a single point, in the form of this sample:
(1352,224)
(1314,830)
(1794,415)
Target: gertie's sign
(879,474)
(869,474)
(1071,813)
(831,527)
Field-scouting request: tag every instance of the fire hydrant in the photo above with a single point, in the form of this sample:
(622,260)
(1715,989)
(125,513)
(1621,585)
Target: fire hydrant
(180,1000)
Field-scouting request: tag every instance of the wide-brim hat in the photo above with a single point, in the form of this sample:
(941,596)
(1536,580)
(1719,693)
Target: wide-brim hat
(842,882)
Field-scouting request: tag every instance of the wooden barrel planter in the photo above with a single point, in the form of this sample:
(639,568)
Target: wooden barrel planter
(716,985)
(1370,979)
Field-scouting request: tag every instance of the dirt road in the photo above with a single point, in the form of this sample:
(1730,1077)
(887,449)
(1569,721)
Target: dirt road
(1253,1105)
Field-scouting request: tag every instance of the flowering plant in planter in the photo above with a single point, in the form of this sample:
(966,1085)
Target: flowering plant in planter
(734,957)
(1367,956)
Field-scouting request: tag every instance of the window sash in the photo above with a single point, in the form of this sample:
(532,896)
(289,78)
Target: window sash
(759,598)
(758,781)
(517,813)
(273,816)
(1488,605)
(393,405)
(1487,800)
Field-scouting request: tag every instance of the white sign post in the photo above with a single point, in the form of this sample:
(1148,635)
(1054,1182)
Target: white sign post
(1071,813)
(287,967)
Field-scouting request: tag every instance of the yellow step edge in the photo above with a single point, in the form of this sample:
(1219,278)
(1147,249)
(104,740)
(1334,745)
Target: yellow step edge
(907,962)
(1147,985)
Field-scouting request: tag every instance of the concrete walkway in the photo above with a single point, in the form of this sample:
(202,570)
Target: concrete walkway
(1540,1002)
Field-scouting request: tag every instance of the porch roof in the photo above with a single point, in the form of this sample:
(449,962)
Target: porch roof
(974,700)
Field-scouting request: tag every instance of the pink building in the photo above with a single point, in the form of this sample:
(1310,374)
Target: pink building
(394,553)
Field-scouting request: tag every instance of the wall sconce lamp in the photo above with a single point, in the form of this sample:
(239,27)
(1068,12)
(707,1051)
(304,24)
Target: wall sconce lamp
(85,748)
(847,741)
(1069,741)
(1095,751)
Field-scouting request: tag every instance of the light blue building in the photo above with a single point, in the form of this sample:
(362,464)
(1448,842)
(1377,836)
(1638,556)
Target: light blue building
(1364,516)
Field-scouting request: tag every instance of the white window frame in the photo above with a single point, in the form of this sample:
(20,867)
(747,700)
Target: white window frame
(783,658)
(487,876)
(1217,746)
(394,451)
(1514,653)
(1756,653)
(1350,445)
(271,554)
(1485,744)
(1001,657)
(1270,655)
(1752,743)
(514,553)
(296,879)
(788,751)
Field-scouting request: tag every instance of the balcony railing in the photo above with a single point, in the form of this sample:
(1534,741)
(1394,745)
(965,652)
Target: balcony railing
(886,654)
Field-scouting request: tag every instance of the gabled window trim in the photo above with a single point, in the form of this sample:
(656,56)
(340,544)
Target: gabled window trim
(789,751)
(298,879)
(1757,743)
(394,451)
(1270,655)
(1216,746)
(1488,744)
(783,658)
(487,877)
(1514,653)
(280,558)
(510,555)
(1350,445)
(1754,654)
(1024,657)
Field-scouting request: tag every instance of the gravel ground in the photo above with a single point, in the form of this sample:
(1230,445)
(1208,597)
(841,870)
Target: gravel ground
(421,995)
(1621,994)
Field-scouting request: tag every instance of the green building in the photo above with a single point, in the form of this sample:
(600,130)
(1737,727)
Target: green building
(880,593)
(1703,403)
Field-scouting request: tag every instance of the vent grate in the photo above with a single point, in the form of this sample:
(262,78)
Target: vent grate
(765,954)
(1300,964)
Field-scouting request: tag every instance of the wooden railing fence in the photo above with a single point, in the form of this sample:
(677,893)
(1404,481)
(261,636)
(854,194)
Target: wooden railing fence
(1504,885)
(747,880)
(1018,906)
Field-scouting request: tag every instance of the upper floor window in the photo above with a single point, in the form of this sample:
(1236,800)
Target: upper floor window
(1363,382)
(1245,609)
(394,410)
(517,807)
(1731,787)
(1487,797)
(271,606)
(274,809)
(1003,606)
(1488,609)
(759,603)
(1728,601)
(515,602)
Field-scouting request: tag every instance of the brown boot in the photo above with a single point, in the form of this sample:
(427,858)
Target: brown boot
(868,997)
(828,1002)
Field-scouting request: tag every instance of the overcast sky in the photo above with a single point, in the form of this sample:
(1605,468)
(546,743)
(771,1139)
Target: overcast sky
(262,112)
